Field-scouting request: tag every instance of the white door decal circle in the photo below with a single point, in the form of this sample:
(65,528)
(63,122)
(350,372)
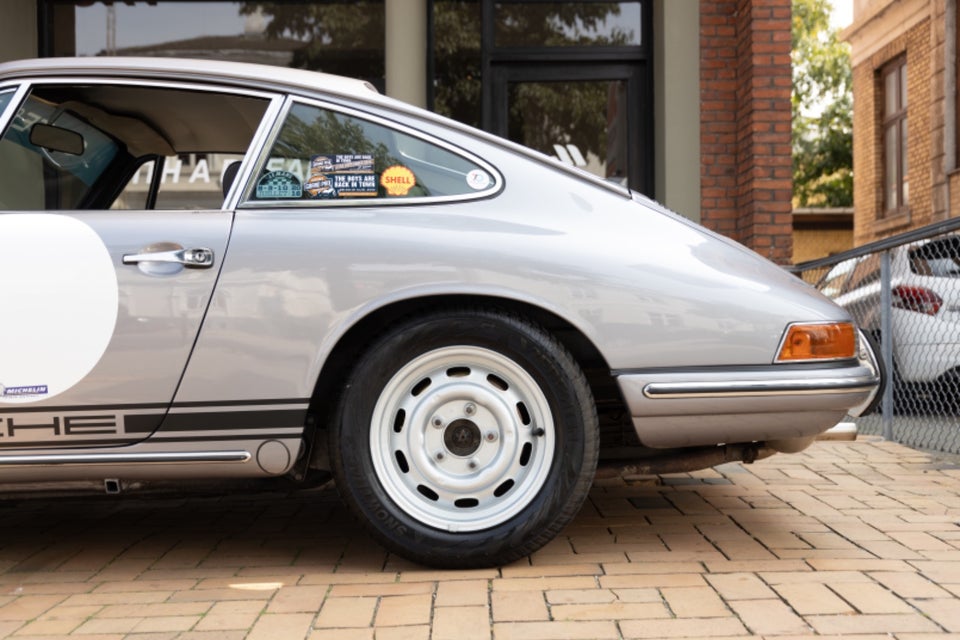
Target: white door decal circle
(59,304)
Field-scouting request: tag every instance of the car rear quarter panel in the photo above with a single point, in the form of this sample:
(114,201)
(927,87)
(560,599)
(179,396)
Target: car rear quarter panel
(648,290)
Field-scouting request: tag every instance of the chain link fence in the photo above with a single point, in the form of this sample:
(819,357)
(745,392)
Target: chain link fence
(904,292)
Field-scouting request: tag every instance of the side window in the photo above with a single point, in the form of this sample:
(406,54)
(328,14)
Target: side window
(98,146)
(52,158)
(321,154)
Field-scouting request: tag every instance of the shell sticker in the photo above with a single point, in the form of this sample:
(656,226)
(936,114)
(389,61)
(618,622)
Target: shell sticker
(397,180)
(60,302)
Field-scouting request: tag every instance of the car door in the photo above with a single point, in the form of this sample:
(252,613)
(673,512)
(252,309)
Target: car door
(103,299)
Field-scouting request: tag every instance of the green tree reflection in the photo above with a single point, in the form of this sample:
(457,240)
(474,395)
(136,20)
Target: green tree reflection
(345,38)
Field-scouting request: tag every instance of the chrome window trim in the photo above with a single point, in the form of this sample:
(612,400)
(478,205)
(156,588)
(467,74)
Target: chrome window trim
(19,93)
(259,144)
(246,203)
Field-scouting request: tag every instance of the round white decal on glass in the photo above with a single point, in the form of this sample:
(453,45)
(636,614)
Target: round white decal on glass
(478,180)
(59,304)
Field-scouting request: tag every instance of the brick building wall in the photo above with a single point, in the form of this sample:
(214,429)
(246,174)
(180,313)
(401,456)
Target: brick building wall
(915,31)
(745,84)
(870,222)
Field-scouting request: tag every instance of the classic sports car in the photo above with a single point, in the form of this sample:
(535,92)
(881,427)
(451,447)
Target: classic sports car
(451,324)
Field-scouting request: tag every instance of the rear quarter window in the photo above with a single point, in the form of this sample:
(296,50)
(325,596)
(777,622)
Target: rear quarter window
(326,156)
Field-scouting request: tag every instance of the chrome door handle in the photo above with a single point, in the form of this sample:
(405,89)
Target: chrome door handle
(199,258)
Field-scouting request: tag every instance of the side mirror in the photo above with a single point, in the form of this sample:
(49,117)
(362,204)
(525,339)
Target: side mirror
(56,139)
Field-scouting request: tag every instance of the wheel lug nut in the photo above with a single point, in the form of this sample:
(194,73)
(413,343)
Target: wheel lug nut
(473,463)
(439,456)
(470,409)
(491,436)
(438,422)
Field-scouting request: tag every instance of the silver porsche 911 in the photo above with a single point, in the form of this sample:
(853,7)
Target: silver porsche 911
(216,271)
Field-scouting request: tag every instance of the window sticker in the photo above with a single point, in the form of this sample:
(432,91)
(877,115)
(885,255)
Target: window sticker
(478,180)
(398,180)
(341,176)
(277,185)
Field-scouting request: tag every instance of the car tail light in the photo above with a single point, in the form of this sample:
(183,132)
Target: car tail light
(821,341)
(916,299)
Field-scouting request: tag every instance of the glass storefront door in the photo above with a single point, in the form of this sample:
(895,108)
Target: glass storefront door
(579,113)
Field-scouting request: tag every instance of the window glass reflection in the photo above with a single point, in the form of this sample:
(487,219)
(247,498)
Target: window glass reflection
(580,123)
(567,24)
(457,88)
(345,38)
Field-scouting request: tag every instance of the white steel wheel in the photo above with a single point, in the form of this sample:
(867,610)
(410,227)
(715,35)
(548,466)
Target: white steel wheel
(465,438)
(462,438)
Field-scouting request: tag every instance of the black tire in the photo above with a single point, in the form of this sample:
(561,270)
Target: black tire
(465,438)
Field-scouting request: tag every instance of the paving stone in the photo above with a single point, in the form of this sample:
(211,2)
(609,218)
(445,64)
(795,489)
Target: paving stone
(740,586)
(768,617)
(271,626)
(683,628)
(694,602)
(871,598)
(463,593)
(346,612)
(891,623)
(462,623)
(556,630)
(397,611)
(808,598)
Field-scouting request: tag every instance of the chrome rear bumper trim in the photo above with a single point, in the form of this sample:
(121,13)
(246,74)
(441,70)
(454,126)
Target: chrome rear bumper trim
(753,388)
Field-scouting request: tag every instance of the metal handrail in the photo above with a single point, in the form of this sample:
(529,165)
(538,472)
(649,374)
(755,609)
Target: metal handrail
(929,231)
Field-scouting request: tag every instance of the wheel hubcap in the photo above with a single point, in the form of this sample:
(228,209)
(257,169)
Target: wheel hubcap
(462,438)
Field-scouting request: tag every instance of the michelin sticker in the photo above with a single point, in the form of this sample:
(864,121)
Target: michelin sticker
(341,176)
(60,309)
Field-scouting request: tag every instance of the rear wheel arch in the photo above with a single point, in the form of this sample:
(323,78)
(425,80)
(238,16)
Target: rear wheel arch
(358,338)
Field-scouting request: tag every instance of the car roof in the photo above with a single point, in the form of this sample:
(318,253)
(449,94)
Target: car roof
(247,74)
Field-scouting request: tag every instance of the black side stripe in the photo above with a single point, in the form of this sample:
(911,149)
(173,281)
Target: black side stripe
(217,421)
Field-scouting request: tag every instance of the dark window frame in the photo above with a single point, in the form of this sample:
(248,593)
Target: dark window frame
(897,121)
(637,61)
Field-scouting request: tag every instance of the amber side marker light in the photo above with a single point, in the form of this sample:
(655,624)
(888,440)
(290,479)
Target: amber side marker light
(828,341)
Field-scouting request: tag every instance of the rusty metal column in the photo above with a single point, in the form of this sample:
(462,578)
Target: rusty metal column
(406,50)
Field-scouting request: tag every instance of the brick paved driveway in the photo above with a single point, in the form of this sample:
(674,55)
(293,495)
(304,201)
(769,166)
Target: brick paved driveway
(854,539)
